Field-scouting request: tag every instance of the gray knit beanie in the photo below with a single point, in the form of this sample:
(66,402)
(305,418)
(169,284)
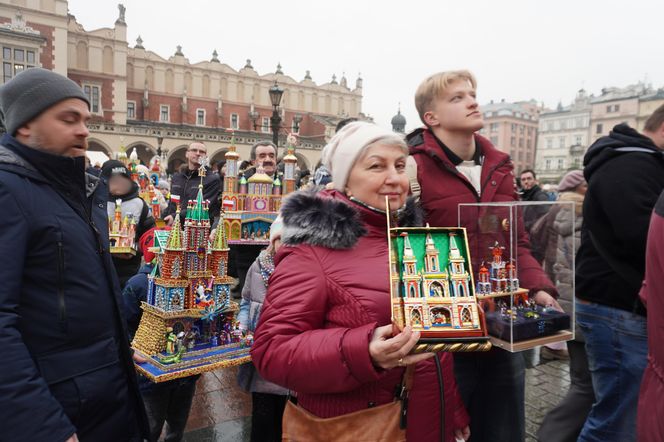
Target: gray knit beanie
(31,92)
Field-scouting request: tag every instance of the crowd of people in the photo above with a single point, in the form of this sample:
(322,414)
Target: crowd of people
(326,358)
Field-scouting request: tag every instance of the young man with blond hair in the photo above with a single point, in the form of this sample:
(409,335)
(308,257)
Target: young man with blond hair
(456,165)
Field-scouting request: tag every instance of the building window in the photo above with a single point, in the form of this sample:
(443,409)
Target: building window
(200,117)
(235,121)
(164,113)
(131,110)
(563,125)
(14,60)
(549,143)
(547,164)
(599,128)
(561,142)
(513,142)
(549,126)
(94,93)
(561,163)
(521,129)
(520,142)
(265,125)
(494,127)
(578,140)
(513,127)
(295,127)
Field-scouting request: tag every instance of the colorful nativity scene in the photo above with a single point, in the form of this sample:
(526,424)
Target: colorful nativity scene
(251,205)
(189,321)
(434,291)
(512,317)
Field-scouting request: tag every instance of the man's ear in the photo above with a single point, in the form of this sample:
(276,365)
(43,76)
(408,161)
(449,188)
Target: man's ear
(23,131)
(430,119)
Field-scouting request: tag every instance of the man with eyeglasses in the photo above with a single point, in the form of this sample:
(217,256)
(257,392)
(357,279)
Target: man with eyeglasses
(185,185)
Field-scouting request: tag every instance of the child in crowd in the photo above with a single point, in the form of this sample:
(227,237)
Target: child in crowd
(121,187)
(268,399)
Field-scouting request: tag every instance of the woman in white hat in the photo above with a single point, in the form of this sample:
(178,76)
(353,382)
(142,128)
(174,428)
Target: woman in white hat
(325,330)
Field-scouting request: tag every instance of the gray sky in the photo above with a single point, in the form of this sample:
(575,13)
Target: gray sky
(518,49)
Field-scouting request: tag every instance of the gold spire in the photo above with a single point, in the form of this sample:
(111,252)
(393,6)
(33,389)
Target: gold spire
(175,237)
(220,240)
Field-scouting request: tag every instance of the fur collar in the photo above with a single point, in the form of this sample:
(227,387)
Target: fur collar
(329,220)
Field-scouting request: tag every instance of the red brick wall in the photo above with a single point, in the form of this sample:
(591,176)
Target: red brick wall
(308,127)
(106,93)
(46,57)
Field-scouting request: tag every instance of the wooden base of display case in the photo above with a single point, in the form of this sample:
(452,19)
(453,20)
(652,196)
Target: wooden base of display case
(561,336)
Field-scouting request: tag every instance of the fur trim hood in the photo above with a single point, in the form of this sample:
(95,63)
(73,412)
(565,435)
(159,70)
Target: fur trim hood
(329,219)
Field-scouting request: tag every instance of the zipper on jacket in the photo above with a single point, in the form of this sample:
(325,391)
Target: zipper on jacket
(62,308)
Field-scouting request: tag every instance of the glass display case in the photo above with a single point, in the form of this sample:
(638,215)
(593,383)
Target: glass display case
(521,252)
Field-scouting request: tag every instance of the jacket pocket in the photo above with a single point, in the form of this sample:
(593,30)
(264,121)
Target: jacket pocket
(60,258)
(69,363)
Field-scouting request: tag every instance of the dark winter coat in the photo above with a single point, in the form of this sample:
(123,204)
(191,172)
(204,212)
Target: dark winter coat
(622,190)
(134,293)
(66,361)
(444,188)
(185,185)
(131,204)
(532,213)
(328,293)
(650,425)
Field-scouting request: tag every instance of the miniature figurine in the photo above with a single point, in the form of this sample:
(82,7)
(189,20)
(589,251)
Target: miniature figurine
(170,340)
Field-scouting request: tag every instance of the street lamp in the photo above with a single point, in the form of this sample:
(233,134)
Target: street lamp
(275,97)
(159,141)
(253,116)
(297,119)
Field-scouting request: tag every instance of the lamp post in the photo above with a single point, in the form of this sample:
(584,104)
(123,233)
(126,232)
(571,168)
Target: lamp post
(297,119)
(253,116)
(275,120)
(159,141)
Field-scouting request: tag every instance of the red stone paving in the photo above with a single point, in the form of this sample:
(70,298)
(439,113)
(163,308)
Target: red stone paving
(218,399)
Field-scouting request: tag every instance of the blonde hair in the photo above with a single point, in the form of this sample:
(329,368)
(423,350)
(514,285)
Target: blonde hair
(434,86)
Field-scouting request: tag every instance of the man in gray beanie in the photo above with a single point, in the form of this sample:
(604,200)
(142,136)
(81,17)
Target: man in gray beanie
(68,370)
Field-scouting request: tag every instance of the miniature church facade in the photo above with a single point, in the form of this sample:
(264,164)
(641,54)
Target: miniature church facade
(188,289)
(435,297)
(252,204)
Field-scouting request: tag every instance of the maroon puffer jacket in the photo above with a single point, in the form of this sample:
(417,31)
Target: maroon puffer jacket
(329,291)
(444,188)
(650,425)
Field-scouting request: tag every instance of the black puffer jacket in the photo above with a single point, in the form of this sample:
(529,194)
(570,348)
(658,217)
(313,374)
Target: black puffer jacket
(185,185)
(625,175)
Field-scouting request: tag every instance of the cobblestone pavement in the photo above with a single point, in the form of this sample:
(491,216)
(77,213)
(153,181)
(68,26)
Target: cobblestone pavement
(546,385)
(220,412)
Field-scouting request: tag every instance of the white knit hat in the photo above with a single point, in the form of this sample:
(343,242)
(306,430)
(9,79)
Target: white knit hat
(345,148)
(276,228)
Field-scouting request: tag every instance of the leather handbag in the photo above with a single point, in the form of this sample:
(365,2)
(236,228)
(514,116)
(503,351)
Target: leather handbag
(384,423)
